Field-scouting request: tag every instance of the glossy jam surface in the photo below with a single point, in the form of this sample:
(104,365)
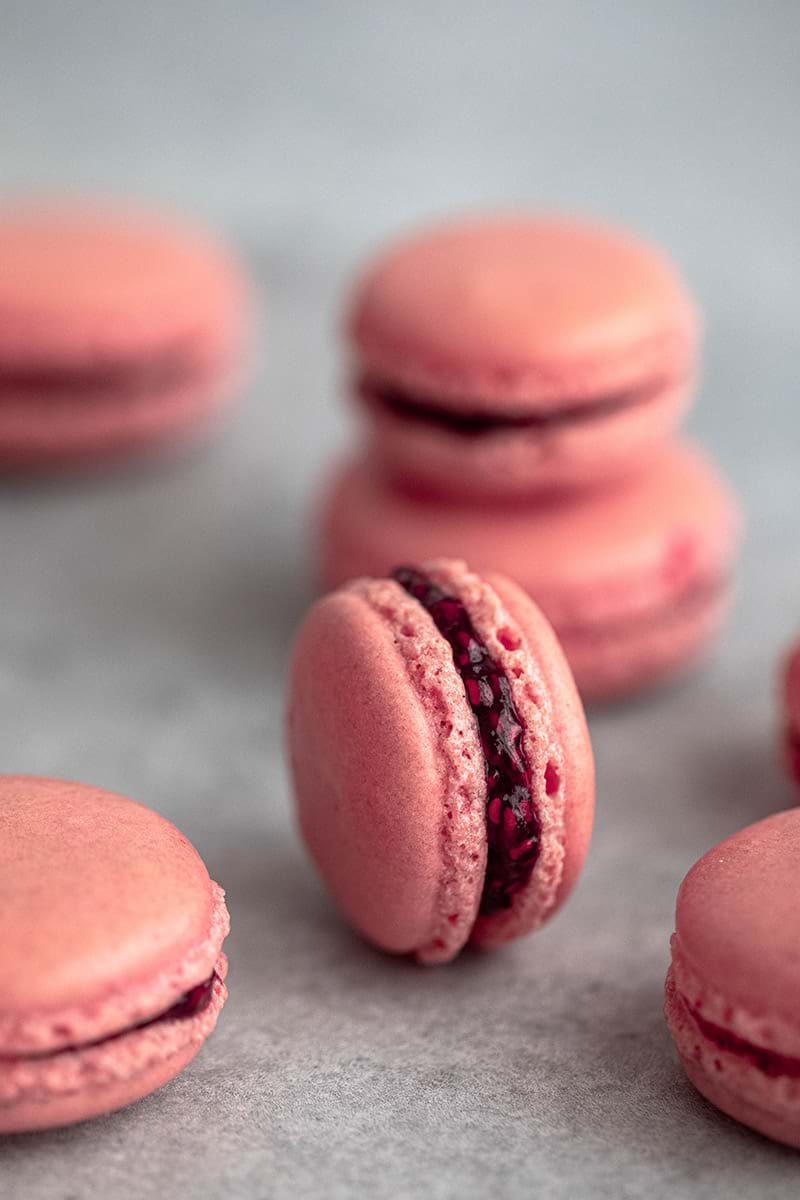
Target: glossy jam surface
(188,1005)
(512,825)
(471,423)
(768,1061)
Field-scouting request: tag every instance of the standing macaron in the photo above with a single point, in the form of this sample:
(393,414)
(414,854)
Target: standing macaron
(111,935)
(442,767)
(634,577)
(733,989)
(791,704)
(119,330)
(513,354)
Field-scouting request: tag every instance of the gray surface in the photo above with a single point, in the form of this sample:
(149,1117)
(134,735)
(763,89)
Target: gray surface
(144,619)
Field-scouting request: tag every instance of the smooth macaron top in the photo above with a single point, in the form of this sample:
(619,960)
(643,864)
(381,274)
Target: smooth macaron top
(737,921)
(94,285)
(389,769)
(518,313)
(107,914)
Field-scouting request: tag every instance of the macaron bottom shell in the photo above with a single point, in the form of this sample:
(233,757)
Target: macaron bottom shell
(619,660)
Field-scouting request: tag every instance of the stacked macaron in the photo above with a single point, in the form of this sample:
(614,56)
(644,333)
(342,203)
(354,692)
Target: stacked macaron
(521,379)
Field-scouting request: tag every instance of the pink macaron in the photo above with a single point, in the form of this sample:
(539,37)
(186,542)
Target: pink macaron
(442,767)
(111,935)
(791,703)
(634,577)
(513,354)
(733,989)
(119,330)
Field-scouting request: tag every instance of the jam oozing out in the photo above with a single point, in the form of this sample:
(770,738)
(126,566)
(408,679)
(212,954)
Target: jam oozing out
(411,407)
(512,825)
(190,1004)
(770,1062)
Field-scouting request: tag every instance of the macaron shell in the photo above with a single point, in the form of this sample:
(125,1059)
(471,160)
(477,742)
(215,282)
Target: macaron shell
(525,461)
(736,921)
(89,284)
(610,569)
(635,654)
(779,1126)
(387,769)
(522,311)
(128,921)
(76,1085)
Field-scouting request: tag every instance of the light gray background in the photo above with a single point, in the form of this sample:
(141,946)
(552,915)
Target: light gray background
(145,618)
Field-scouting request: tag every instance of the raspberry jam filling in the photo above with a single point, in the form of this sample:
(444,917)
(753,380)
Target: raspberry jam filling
(162,370)
(770,1062)
(512,825)
(190,1004)
(471,423)
(793,751)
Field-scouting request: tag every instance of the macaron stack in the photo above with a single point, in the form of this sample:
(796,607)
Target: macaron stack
(520,380)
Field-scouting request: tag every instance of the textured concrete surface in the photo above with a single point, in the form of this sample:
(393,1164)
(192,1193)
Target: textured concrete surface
(145,617)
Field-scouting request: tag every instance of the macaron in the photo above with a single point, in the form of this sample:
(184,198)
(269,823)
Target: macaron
(441,763)
(111,935)
(634,577)
(520,353)
(119,330)
(733,988)
(791,699)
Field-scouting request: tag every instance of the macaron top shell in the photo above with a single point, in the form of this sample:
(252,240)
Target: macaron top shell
(107,914)
(517,313)
(389,770)
(96,284)
(736,933)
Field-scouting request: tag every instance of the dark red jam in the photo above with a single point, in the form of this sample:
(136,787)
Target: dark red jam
(793,751)
(159,371)
(770,1062)
(512,825)
(472,423)
(190,1004)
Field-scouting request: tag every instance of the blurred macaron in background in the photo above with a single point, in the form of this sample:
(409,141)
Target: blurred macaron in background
(121,329)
